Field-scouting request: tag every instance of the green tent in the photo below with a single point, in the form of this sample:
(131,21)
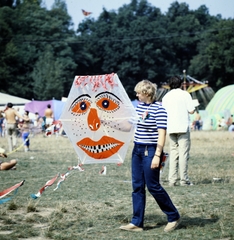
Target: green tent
(221,105)
(222,100)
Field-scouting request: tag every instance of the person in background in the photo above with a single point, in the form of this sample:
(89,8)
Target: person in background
(39,123)
(1,124)
(49,116)
(222,124)
(25,130)
(36,119)
(7,165)
(11,127)
(178,104)
(230,121)
(197,121)
(147,154)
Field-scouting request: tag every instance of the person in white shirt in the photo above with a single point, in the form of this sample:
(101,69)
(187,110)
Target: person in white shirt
(178,104)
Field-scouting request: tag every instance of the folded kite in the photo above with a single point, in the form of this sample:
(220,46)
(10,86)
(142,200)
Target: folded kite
(9,190)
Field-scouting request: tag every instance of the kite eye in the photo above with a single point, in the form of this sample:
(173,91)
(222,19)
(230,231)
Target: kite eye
(107,103)
(81,106)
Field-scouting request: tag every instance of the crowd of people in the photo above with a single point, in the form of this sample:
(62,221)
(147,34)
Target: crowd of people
(13,125)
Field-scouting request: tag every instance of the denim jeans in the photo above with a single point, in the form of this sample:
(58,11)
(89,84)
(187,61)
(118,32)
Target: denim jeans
(179,156)
(143,175)
(25,138)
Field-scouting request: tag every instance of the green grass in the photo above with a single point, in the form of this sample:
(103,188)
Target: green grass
(92,206)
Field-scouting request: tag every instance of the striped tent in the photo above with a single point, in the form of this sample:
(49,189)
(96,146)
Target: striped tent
(223,100)
(220,106)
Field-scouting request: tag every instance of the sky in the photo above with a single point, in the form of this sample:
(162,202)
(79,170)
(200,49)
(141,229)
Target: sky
(223,7)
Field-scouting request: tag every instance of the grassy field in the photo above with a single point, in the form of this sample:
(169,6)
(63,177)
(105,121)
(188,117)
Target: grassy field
(92,206)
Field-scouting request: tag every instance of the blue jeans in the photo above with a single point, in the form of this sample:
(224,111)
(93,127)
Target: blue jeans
(142,175)
(25,138)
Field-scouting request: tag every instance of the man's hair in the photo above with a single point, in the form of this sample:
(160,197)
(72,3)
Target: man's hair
(174,82)
(10,105)
(49,106)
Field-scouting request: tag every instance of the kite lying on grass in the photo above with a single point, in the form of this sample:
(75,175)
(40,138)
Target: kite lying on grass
(9,190)
(98,119)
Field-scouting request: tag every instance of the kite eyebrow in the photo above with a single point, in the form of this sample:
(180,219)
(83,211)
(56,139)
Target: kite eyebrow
(82,95)
(108,93)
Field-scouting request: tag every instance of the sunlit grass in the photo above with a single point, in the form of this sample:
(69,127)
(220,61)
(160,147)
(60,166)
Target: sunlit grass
(92,206)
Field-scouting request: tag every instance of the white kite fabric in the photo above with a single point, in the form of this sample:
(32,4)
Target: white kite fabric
(98,119)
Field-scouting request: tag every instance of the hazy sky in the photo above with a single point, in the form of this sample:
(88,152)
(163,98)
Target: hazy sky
(223,7)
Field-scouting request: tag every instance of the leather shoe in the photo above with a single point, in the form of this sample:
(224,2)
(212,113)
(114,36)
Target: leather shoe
(131,227)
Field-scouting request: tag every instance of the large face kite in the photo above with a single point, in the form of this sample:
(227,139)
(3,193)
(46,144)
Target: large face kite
(97,117)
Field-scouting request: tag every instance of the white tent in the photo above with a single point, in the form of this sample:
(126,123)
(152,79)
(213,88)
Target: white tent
(16,101)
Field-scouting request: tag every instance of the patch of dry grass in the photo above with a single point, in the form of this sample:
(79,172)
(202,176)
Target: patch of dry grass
(92,206)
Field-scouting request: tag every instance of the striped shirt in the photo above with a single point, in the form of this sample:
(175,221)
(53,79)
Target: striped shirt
(151,117)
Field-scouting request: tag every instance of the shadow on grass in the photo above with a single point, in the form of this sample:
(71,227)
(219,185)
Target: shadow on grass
(186,222)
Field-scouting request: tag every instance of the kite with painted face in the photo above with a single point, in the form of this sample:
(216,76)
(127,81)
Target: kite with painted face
(97,119)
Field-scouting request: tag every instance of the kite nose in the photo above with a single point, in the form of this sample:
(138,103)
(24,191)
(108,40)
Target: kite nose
(93,120)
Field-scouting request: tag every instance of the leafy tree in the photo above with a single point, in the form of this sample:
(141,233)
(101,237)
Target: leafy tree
(43,87)
(125,43)
(215,60)
(33,31)
(40,53)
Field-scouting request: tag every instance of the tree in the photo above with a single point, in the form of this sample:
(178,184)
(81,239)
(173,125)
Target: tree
(27,35)
(47,78)
(215,60)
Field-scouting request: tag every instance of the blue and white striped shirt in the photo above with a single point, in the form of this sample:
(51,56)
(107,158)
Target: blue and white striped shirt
(151,117)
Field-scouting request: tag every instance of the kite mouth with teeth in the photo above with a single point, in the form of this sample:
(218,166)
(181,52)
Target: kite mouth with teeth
(104,148)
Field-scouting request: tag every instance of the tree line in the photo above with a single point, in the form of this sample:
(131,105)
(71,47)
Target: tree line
(40,52)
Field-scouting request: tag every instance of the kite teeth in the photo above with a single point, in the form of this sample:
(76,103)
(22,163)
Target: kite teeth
(100,148)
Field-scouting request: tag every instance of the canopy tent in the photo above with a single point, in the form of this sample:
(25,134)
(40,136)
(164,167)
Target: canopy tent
(40,106)
(16,101)
(222,100)
(198,90)
(220,106)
